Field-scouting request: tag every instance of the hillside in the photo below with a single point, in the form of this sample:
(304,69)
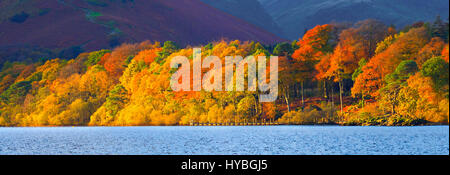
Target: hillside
(295,16)
(250,10)
(86,25)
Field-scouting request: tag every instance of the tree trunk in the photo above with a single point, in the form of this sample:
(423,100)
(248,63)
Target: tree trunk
(256,106)
(325,89)
(287,103)
(332,100)
(340,95)
(393,109)
(363,102)
(286,98)
(393,105)
(303,97)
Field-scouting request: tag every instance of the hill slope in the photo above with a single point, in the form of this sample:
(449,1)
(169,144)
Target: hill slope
(250,10)
(295,16)
(95,24)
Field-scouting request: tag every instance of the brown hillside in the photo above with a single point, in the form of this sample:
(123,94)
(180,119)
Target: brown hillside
(95,24)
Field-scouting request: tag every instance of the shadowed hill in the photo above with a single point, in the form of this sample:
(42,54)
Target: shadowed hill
(93,24)
(294,16)
(250,10)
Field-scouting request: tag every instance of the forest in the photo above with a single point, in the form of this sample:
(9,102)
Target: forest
(366,73)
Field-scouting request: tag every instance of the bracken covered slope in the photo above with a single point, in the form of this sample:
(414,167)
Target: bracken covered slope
(94,24)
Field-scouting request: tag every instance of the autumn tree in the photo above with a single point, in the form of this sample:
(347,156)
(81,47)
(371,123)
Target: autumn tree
(445,53)
(283,49)
(395,81)
(115,62)
(438,70)
(369,33)
(316,43)
(355,75)
(94,57)
(345,59)
(432,49)
(168,48)
(355,43)
(404,47)
(116,100)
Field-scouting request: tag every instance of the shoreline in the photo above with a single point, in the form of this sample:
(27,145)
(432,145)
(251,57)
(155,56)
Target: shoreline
(219,125)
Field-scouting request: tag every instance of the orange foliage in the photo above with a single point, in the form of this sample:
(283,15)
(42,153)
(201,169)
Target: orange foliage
(432,49)
(445,53)
(27,71)
(313,44)
(6,82)
(104,58)
(346,55)
(322,67)
(269,110)
(368,33)
(115,62)
(405,47)
(148,56)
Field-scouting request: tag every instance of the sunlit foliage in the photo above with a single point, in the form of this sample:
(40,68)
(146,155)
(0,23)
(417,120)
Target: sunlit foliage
(361,74)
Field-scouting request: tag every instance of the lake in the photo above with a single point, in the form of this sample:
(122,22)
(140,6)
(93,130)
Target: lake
(229,140)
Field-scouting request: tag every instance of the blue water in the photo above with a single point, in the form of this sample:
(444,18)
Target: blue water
(245,140)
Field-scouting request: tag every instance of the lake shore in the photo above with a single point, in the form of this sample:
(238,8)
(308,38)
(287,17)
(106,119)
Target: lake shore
(230,125)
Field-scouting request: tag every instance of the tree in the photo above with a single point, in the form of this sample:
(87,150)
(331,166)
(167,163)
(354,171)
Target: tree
(316,43)
(396,81)
(439,29)
(115,63)
(345,60)
(445,53)
(438,70)
(116,100)
(369,33)
(147,56)
(270,111)
(430,50)
(404,47)
(94,57)
(358,71)
(168,48)
(286,79)
(354,44)
(321,72)
(420,100)
(246,107)
(283,49)
(357,89)
(16,93)
(6,82)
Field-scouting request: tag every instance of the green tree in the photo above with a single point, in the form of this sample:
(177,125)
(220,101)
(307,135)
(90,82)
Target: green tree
(16,93)
(283,49)
(116,100)
(438,70)
(168,48)
(396,81)
(94,57)
(358,71)
(246,107)
(439,29)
